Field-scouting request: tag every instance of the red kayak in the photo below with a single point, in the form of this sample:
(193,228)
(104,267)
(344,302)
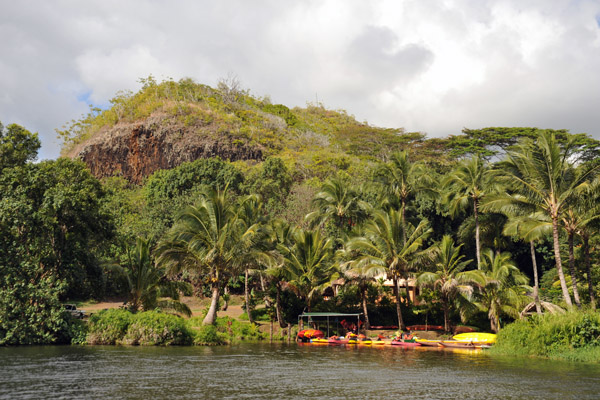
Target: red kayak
(400,342)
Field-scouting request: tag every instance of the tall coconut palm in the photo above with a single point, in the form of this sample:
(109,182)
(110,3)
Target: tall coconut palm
(501,287)
(308,264)
(466,186)
(401,179)
(281,233)
(148,283)
(449,280)
(252,239)
(530,228)
(390,246)
(339,202)
(540,172)
(203,239)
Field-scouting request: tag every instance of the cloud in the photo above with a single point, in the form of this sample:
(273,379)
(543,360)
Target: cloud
(431,66)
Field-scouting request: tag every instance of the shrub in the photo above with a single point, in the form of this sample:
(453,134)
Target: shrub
(76,331)
(156,328)
(108,326)
(573,336)
(208,335)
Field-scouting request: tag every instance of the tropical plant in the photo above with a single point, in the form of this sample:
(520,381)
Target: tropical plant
(148,284)
(204,240)
(448,280)
(501,287)
(541,173)
(466,185)
(339,202)
(307,262)
(384,249)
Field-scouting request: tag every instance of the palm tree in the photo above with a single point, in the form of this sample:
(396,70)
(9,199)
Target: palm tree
(401,179)
(449,281)
(501,287)
(530,228)
(339,202)
(203,239)
(252,237)
(384,249)
(589,211)
(540,172)
(281,233)
(147,282)
(466,186)
(307,262)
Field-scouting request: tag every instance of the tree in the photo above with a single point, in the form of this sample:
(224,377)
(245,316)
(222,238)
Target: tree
(541,173)
(17,146)
(383,248)
(148,282)
(204,239)
(466,185)
(308,264)
(338,202)
(501,287)
(401,179)
(448,280)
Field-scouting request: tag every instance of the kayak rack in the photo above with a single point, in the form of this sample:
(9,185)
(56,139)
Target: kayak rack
(314,319)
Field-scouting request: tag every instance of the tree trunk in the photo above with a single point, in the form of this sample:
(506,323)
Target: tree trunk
(247,297)
(536,284)
(588,267)
(559,270)
(225,298)
(446,317)
(403,222)
(264,290)
(408,300)
(364,305)
(398,309)
(278,307)
(572,269)
(211,316)
(477,246)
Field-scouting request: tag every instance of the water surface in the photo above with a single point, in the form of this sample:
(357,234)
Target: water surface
(285,372)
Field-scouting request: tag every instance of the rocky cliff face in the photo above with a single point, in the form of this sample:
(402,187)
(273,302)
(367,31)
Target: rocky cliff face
(136,150)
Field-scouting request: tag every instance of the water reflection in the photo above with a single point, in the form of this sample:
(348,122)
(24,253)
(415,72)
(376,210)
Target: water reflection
(282,371)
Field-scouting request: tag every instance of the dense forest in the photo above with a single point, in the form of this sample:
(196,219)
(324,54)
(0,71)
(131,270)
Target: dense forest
(487,223)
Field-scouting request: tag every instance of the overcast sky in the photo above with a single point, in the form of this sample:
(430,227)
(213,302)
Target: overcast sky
(424,65)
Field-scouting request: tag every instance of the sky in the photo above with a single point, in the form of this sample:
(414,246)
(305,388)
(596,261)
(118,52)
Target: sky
(429,66)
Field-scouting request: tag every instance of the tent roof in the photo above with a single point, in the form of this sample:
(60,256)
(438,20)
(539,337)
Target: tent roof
(328,314)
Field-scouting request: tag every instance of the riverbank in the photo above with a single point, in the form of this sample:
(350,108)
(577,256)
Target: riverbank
(573,336)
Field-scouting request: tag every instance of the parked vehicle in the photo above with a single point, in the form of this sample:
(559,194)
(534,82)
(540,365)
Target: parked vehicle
(75,313)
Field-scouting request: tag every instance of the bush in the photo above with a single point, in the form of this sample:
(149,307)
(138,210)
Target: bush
(108,326)
(573,336)
(76,331)
(156,328)
(208,335)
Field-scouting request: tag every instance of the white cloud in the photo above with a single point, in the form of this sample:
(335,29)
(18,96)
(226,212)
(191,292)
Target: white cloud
(432,66)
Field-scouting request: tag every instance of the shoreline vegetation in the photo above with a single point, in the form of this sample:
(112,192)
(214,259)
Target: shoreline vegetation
(290,210)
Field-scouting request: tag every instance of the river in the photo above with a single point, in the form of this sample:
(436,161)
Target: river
(279,371)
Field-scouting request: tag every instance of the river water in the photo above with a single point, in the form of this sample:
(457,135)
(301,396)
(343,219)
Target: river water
(279,371)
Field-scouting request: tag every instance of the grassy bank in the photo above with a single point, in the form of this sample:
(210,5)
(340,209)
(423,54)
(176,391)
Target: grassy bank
(574,336)
(117,326)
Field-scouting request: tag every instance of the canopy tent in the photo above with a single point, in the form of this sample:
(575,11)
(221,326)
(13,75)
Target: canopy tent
(330,317)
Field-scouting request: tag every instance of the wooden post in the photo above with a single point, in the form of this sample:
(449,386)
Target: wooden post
(289,332)
(271,331)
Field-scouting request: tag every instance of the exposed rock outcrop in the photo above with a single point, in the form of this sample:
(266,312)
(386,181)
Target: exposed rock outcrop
(136,150)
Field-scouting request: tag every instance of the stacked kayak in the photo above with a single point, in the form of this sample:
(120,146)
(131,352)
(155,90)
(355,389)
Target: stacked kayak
(471,340)
(405,342)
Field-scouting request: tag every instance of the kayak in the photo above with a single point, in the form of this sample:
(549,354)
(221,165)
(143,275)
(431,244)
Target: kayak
(306,334)
(429,343)
(457,344)
(476,337)
(319,341)
(403,343)
(337,340)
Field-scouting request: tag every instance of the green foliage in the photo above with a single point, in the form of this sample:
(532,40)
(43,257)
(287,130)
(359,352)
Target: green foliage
(208,335)
(153,328)
(76,331)
(17,146)
(109,326)
(564,336)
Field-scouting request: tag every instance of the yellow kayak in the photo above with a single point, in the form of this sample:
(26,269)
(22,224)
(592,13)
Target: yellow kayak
(478,337)
(319,341)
